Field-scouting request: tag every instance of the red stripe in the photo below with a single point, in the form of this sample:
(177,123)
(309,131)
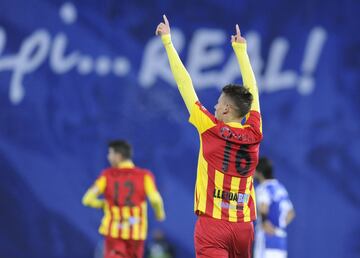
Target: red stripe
(210,191)
(226,187)
(242,188)
(120,221)
(252,203)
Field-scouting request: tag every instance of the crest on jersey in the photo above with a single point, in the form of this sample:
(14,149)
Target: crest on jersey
(226,133)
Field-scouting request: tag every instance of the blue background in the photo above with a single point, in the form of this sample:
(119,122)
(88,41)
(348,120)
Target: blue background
(53,139)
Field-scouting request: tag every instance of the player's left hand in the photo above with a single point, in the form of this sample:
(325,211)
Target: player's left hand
(163,28)
(268,227)
(237,37)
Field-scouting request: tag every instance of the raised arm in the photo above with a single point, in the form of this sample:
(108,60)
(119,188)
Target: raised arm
(239,46)
(179,72)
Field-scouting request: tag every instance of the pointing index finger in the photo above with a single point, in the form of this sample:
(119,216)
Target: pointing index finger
(237,30)
(165,20)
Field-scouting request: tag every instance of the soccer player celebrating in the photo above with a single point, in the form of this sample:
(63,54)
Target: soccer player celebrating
(125,188)
(276,212)
(229,150)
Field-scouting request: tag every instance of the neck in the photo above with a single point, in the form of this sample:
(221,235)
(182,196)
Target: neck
(262,179)
(232,120)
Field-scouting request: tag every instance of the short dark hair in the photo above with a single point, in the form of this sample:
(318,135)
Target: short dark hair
(265,168)
(122,147)
(241,98)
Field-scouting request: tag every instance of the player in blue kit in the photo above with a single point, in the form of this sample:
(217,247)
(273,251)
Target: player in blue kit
(275,212)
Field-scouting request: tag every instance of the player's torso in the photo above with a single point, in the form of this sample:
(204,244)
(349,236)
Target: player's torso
(125,187)
(278,209)
(125,211)
(234,151)
(280,203)
(227,161)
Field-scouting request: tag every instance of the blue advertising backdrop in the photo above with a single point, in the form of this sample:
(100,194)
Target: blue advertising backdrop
(74,75)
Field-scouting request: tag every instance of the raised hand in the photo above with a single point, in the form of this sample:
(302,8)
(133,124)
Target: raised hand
(237,38)
(163,28)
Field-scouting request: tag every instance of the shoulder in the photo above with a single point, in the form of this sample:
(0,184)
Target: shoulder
(261,187)
(143,171)
(281,187)
(198,110)
(106,171)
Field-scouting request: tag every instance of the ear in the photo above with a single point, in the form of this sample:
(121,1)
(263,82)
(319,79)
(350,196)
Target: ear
(226,109)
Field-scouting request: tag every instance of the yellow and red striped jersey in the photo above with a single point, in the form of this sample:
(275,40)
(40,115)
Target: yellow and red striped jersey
(227,160)
(125,208)
(228,152)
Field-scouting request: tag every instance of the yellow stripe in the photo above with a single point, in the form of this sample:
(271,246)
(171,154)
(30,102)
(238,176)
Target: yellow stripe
(125,225)
(237,125)
(136,225)
(115,221)
(104,228)
(143,229)
(246,206)
(235,184)
(201,182)
(219,181)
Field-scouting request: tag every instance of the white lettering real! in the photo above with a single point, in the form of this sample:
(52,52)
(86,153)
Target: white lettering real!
(206,55)
(206,60)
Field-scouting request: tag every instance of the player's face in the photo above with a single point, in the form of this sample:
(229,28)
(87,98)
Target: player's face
(113,158)
(221,108)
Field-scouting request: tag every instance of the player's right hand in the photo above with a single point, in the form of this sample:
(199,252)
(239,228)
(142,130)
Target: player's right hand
(163,28)
(237,37)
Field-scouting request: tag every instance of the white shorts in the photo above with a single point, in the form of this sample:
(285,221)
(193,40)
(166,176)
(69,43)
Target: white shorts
(260,251)
(274,253)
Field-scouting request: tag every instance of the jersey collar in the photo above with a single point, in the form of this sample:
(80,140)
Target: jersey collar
(236,125)
(126,164)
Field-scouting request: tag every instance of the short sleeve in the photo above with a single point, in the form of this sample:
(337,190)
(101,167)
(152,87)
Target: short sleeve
(149,183)
(201,118)
(100,182)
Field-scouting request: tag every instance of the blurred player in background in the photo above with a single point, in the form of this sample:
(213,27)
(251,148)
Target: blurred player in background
(125,188)
(159,246)
(224,194)
(276,212)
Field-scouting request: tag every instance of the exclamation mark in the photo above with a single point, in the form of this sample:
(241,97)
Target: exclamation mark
(313,49)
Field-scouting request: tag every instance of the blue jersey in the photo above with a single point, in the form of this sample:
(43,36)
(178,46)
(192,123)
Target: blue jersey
(274,195)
